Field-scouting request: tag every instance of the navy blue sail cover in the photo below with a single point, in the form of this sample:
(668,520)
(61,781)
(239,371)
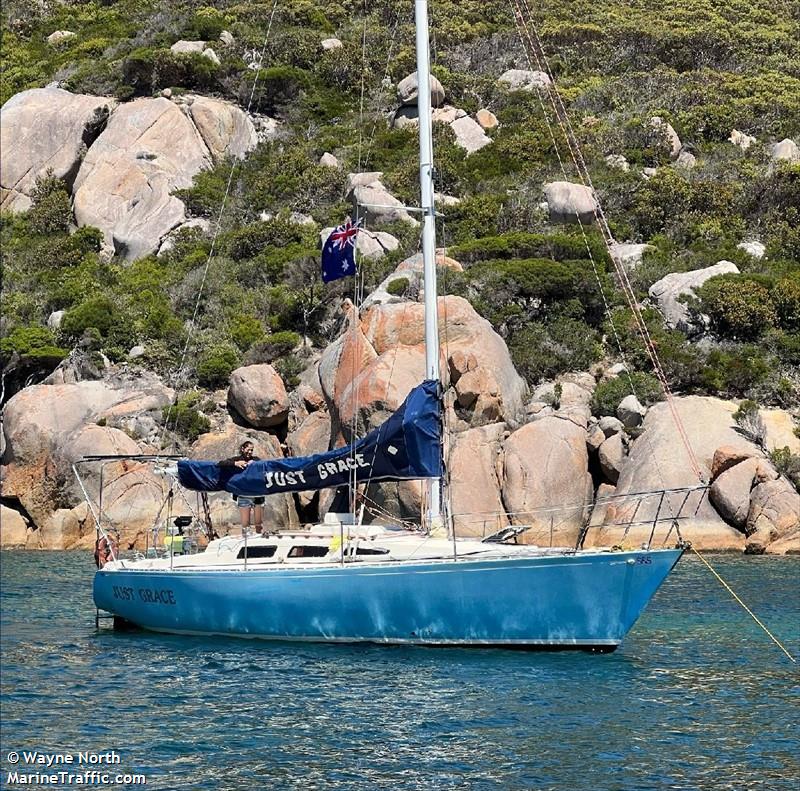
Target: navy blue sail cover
(406,447)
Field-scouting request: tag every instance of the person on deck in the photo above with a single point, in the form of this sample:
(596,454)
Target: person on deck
(247,505)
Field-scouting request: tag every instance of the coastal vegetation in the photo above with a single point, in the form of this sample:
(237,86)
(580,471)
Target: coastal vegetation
(706,69)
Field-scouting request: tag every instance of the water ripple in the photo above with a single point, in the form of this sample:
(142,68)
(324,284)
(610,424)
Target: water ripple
(696,697)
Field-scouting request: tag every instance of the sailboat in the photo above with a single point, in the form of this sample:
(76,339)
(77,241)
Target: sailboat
(345,581)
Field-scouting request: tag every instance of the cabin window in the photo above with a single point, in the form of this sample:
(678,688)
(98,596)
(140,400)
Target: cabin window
(307,551)
(371,551)
(257,552)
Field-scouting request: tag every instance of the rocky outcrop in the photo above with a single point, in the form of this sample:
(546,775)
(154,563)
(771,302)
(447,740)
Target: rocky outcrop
(122,163)
(610,425)
(629,254)
(38,418)
(726,456)
(184,47)
(618,162)
(730,492)
(487,119)
(14,529)
(545,466)
(50,427)
(410,272)
(474,463)
(774,513)
(668,292)
(58,37)
(375,202)
(611,455)
(669,135)
(328,160)
(741,140)
(524,80)
(659,460)
(312,436)
(45,129)
(570,203)
(408,90)
(469,134)
(753,248)
(258,395)
(780,426)
(787,151)
(225,129)
(150,148)
(370,369)
(630,412)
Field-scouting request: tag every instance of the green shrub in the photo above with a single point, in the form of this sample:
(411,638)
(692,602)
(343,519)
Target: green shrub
(215,366)
(739,308)
(733,370)
(184,418)
(543,351)
(608,394)
(51,211)
(398,287)
(274,347)
(35,343)
(289,368)
(748,418)
(184,69)
(276,87)
(137,71)
(98,312)
(787,464)
(250,240)
(245,330)
(519,244)
(786,299)
(208,24)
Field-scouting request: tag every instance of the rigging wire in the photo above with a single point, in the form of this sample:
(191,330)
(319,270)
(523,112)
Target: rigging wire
(193,322)
(583,173)
(565,124)
(538,55)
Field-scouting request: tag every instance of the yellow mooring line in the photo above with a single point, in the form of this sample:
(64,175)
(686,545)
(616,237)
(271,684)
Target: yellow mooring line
(747,609)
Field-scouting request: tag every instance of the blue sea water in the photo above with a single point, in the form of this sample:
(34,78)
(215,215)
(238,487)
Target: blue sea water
(696,698)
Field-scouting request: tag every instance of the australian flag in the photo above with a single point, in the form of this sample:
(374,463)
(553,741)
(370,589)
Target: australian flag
(338,254)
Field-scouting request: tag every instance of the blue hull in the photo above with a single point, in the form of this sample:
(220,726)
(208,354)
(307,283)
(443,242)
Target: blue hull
(559,601)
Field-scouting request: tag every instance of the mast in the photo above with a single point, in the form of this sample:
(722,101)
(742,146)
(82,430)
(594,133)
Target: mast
(428,224)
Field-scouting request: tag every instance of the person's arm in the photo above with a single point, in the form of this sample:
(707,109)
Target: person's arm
(234,461)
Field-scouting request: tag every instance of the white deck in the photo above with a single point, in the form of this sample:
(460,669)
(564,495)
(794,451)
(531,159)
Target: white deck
(321,545)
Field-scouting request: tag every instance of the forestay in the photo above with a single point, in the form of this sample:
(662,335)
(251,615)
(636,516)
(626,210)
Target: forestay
(406,447)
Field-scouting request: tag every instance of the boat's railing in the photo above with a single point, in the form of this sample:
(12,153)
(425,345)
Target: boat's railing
(618,518)
(104,531)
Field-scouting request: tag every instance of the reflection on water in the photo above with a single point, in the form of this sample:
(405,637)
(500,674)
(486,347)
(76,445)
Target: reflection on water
(697,697)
